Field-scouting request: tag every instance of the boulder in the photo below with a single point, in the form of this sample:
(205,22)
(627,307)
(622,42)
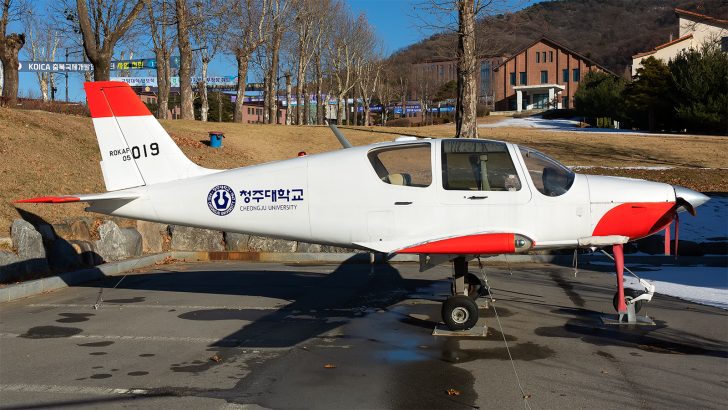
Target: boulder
(152,236)
(86,252)
(336,249)
(63,230)
(236,242)
(305,247)
(194,239)
(264,244)
(62,255)
(116,243)
(7,258)
(80,230)
(27,240)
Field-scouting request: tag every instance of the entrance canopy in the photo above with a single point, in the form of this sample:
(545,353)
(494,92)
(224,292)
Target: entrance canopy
(537,96)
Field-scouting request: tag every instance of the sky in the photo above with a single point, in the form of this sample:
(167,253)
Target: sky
(396,22)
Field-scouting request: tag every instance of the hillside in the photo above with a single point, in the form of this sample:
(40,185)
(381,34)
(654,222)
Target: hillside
(44,154)
(608,31)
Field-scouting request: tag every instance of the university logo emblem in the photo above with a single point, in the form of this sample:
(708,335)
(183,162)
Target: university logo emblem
(221,200)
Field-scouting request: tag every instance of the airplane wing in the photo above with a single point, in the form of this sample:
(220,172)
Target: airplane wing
(106,196)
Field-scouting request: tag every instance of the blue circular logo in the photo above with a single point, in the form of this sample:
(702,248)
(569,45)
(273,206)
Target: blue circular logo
(221,200)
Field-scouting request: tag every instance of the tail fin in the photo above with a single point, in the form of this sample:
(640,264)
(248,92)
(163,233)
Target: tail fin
(135,149)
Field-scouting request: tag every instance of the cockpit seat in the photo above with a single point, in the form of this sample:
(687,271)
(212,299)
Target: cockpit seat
(400,179)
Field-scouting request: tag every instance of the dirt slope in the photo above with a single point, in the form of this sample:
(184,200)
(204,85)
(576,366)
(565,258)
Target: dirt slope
(43,153)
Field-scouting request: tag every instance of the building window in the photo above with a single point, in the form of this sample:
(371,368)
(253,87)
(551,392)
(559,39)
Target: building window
(544,77)
(513,78)
(485,77)
(724,44)
(565,74)
(523,78)
(543,56)
(576,75)
(565,103)
(551,56)
(538,57)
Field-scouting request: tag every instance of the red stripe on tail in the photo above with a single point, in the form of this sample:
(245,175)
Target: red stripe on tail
(113,99)
(48,200)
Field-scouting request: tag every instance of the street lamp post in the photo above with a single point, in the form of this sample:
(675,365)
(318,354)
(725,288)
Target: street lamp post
(66,73)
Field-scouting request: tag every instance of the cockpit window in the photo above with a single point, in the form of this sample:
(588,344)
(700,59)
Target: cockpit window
(469,165)
(550,177)
(408,165)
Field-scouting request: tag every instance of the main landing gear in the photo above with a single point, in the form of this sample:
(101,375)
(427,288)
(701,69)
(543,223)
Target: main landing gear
(459,311)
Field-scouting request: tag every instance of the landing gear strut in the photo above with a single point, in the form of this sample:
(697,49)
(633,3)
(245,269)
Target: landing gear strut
(459,311)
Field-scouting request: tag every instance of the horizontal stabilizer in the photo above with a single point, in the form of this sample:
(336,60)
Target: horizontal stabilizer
(108,196)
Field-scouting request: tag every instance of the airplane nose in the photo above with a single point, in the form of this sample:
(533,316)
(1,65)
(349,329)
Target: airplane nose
(693,198)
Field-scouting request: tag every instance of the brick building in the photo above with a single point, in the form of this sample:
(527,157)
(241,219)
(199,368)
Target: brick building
(544,74)
(431,74)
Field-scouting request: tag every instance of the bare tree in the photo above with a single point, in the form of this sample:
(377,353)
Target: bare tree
(208,31)
(343,52)
(368,66)
(309,22)
(185,60)
(43,42)
(160,18)
(247,27)
(278,13)
(10,45)
(102,25)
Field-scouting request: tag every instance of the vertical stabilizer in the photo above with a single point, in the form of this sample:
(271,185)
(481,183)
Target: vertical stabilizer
(135,149)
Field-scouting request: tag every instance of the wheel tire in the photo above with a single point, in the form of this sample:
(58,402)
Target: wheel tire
(459,313)
(629,294)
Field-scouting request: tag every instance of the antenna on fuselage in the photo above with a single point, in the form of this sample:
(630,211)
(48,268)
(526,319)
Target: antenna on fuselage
(339,136)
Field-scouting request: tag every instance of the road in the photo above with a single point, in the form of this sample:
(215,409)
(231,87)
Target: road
(251,335)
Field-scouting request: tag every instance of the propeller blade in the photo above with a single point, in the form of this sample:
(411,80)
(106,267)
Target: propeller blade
(688,200)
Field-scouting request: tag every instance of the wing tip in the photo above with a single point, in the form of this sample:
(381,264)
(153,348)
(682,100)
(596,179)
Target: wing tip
(48,200)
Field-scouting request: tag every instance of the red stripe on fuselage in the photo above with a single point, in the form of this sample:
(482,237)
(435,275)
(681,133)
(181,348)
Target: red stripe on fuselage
(636,219)
(113,99)
(483,244)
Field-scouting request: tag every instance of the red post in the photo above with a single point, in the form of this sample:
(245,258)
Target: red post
(619,265)
(667,240)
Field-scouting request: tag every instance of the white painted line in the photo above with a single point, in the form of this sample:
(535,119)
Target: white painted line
(54,388)
(176,339)
(137,305)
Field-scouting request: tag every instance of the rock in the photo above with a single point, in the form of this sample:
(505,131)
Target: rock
(80,230)
(86,252)
(264,244)
(152,236)
(305,247)
(63,231)
(8,266)
(335,249)
(236,242)
(185,238)
(7,257)
(116,243)
(46,232)
(28,241)
(62,255)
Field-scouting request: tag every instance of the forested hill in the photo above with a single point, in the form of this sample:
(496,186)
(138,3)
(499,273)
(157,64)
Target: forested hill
(608,31)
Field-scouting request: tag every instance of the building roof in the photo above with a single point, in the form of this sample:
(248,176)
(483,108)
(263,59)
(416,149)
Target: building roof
(702,17)
(545,39)
(669,43)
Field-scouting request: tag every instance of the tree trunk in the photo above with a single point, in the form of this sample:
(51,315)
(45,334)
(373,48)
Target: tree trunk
(289,111)
(43,83)
(163,80)
(9,50)
(202,86)
(273,74)
(319,89)
(465,112)
(185,62)
(300,80)
(306,108)
(240,92)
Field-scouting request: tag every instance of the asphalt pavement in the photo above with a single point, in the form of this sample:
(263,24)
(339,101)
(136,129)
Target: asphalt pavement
(252,335)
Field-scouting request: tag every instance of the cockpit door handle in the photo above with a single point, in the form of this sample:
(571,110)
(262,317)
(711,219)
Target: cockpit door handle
(403,203)
(478,197)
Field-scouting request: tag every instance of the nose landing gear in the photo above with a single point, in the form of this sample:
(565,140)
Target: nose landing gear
(459,311)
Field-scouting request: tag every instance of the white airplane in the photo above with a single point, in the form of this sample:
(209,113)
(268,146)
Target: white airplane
(442,199)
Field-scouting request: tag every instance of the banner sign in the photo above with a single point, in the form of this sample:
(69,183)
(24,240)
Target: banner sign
(48,66)
(220,82)
(142,64)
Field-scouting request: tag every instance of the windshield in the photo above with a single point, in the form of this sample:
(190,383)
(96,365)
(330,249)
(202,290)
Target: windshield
(550,177)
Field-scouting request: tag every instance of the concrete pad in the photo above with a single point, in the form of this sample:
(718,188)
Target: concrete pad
(271,335)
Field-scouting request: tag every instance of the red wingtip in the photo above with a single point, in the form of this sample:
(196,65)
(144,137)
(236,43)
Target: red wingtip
(113,99)
(48,200)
